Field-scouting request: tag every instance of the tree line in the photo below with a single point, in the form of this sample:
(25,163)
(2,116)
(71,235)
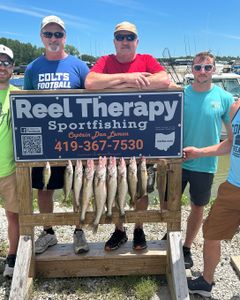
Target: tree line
(26,52)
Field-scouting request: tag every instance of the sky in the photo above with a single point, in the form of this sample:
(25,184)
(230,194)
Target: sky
(173,27)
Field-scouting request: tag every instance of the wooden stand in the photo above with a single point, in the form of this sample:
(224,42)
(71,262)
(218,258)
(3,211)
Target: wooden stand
(161,257)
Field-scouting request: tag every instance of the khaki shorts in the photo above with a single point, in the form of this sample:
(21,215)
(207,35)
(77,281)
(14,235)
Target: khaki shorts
(224,217)
(8,191)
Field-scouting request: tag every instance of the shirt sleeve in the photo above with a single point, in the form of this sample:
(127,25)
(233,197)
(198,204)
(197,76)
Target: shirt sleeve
(228,101)
(100,65)
(153,66)
(27,82)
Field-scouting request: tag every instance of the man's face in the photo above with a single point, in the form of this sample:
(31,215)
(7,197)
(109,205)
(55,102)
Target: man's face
(5,71)
(203,69)
(125,45)
(53,43)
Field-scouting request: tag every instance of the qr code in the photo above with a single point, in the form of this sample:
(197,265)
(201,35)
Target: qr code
(32,145)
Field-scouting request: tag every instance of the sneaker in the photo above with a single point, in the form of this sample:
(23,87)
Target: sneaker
(150,179)
(164,238)
(118,238)
(187,255)
(139,241)
(80,244)
(200,286)
(44,241)
(9,265)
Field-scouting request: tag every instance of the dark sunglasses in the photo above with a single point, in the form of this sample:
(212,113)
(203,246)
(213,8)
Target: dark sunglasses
(5,63)
(49,35)
(129,37)
(207,68)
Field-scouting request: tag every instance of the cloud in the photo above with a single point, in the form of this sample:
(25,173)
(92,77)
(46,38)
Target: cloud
(135,5)
(40,13)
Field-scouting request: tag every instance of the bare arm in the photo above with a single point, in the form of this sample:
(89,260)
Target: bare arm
(138,80)
(218,149)
(215,150)
(158,80)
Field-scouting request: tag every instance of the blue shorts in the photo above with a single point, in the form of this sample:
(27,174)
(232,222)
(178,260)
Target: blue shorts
(200,186)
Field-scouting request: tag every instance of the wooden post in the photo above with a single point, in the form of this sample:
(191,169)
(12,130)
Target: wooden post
(20,282)
(174,193)
(175,268)
(24,190)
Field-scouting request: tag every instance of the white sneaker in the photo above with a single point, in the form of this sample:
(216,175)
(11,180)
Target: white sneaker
(44,241)
(79,242)
(9,266)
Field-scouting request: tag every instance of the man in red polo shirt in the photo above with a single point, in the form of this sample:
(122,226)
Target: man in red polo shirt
(127,69)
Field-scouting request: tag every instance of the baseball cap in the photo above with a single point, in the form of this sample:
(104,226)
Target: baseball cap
(126,26)
(52,19)
(6,50)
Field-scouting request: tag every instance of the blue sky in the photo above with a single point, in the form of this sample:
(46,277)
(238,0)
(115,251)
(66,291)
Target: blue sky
(184,27)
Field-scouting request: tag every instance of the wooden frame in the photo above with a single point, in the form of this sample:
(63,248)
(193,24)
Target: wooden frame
(60,261)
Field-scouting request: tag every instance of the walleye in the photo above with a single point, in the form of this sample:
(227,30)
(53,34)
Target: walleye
(132,180)
(111,185)
(162,180)
(122,187)
(77,185)
(87,188)
(68,179)
(142,177)
(46,175)
(100,190)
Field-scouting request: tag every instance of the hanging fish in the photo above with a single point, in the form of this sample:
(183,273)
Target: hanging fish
(68,179)
(87,188)
(111,185)
(77,184)
(100,190)
(46,175)
(162,181)
(122,187)
(132,180)
(142,177)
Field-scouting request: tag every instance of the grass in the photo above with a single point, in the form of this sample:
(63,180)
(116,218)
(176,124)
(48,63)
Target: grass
(3,248)
(107,288)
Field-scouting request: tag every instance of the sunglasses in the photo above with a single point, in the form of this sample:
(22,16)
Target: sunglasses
(129,37)
(207,68)
(5,63)
(49,35)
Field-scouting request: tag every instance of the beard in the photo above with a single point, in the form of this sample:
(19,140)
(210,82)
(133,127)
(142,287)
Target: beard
(53,47)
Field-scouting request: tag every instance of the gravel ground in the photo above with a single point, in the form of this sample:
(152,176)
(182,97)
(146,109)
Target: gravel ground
(227,282)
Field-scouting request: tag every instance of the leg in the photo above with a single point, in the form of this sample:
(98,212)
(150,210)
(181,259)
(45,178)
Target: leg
(141,204)
(45,202)
(13,231)
(194,223)
(211,256)
(139,240)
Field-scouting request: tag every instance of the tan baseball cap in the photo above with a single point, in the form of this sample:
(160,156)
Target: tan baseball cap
(126,26)
(52,19)
(7,51)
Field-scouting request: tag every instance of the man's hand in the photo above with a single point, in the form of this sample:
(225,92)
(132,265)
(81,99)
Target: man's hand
(138,80)
(191,153)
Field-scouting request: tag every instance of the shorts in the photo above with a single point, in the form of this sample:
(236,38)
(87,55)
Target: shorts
(200,186)
(8,191)
(224,217)
(56,180)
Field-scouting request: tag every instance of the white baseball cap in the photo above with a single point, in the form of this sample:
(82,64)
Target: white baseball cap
(52,19)
(6,50)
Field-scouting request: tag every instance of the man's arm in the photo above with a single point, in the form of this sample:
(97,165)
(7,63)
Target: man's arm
(218,149)
(138,80)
